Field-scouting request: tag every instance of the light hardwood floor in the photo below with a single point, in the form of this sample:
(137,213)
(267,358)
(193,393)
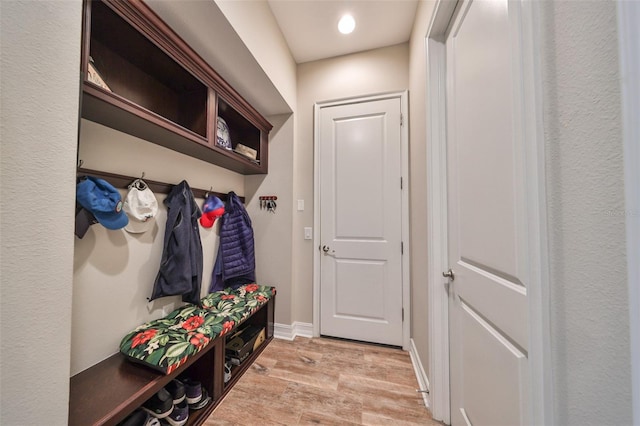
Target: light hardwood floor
(325,381)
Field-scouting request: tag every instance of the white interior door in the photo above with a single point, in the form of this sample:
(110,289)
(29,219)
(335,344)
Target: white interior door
(361,221)
(487,218)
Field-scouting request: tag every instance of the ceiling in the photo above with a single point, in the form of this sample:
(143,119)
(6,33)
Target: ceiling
(310,27)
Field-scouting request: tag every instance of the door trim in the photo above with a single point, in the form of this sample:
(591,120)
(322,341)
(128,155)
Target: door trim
(437,226)
(629,50)
(404,152)
(541,387)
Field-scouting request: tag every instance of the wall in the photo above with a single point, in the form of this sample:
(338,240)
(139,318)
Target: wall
(586,213)
(39,87)
(418,184)
(254,22)
(272,231)
(114,271)
(374,71)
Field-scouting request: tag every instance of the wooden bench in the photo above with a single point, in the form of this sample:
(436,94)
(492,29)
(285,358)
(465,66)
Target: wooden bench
(109,391)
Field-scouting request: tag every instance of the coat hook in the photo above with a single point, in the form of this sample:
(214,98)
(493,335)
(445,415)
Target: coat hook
(80,162)
(142,177)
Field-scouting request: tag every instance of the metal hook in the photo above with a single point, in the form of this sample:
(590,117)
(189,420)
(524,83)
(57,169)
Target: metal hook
(80,162)
(142,177)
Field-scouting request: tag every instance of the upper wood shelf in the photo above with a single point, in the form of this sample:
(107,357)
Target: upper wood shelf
(152,85)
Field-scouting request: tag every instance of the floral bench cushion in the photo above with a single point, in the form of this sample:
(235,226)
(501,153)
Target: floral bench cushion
(167,343)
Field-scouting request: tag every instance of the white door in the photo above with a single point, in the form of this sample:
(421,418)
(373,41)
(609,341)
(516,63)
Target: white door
(360,221)
(487,218)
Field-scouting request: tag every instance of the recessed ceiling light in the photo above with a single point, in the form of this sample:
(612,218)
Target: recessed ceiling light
(347,24)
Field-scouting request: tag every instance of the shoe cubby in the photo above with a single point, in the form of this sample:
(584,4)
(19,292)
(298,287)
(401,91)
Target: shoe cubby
(141,78)
(261,320)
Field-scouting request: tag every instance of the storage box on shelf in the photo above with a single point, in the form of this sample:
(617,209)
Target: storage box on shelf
(109,391)
(157,88)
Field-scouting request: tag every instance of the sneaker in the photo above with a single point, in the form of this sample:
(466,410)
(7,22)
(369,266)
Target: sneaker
(178,416)
(227,371)
(176,389)
(152,421)
(137,418)
(140,418)
(159,405)
(193,390)
(204,401)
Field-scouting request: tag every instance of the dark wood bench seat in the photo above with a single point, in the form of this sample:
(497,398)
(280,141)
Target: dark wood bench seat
(109,391)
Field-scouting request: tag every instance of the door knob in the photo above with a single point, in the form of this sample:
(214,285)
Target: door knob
(327,250)
(449,274)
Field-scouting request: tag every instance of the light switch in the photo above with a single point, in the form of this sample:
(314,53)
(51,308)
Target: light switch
(308,233)
(300,205)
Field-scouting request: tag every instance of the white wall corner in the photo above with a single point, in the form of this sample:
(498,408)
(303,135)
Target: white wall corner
(290,332)
(629,50)
(283,331)
(303,329)
(421,375)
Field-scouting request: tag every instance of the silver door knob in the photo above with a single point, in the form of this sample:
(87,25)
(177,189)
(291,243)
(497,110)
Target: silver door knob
(325,249)
(449,274)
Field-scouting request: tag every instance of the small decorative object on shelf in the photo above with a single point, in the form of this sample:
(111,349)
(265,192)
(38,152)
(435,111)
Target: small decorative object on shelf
(244,150)
(94,76)
(223,138)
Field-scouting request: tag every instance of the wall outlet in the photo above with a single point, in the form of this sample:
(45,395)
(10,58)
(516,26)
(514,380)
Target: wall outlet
(308,233)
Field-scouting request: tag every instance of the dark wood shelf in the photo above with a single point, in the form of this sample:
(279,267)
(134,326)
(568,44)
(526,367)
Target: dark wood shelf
(160,90)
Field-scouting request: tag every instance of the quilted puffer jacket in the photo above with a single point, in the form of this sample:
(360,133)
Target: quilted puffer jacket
(236,262)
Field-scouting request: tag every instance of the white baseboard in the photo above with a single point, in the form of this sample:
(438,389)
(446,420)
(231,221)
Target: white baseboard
(289,332)
(423,380)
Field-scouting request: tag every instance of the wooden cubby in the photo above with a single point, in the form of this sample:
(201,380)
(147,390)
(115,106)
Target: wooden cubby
(237,371)
(160,90)
(106,393)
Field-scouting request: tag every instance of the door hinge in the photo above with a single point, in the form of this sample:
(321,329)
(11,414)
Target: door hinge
(401,120)
(402,314)
(401,183)
(401,247)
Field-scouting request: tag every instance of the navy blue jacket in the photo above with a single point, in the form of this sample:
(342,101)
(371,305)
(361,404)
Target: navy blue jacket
(181,266)
(236,261)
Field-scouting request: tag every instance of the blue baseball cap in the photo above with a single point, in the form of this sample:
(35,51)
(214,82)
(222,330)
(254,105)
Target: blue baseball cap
(104,201)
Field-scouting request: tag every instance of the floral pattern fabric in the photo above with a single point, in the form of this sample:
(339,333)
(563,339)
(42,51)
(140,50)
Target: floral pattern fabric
(167,343)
